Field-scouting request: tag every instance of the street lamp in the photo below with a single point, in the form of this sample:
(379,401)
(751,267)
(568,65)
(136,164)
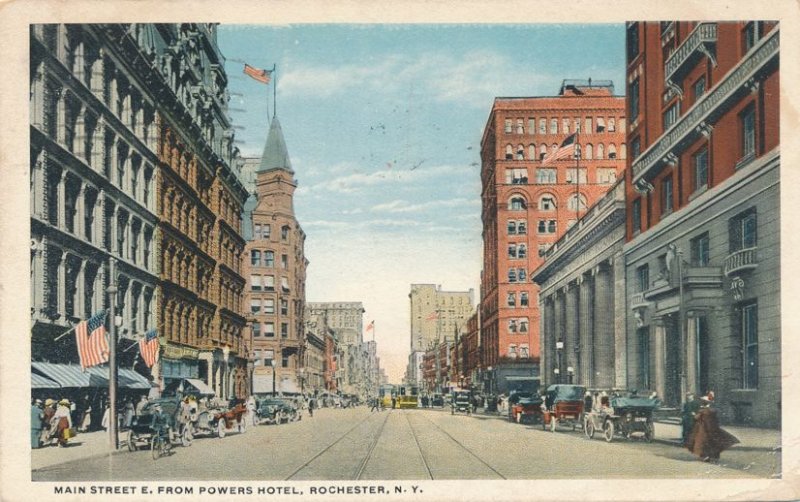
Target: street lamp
(274,364)
(558,374)
(559,348)
(570,374)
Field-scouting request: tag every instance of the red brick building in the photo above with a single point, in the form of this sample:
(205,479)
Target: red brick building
(702,192)
(528,201)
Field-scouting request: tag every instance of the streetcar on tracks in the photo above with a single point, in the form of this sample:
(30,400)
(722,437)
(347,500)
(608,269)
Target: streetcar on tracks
(385,394)
(407,396)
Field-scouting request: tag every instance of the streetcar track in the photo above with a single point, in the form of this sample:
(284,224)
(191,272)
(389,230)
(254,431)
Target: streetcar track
(419,448)
(371,448)
(325,450)
(456,441)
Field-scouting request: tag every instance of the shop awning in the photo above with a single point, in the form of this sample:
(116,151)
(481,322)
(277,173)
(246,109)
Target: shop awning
(42,382)
(72,376)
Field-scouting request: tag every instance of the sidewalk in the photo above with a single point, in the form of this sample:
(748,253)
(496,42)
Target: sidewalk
(82,446)
(669,432)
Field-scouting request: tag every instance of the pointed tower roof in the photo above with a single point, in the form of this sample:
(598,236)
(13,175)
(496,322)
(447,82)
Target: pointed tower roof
(275,155)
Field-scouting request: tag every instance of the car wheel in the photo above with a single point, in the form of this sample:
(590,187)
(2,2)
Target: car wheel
(553,424)
(221,428)
(649,433)
(608,430)
(155,447)
(131,441)
(186,436)
(588,428)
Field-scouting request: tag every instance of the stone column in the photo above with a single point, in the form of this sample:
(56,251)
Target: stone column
(586,325)
(80,286)
(546,338)
(80,211)
(62,197)
(558,335)
(660,357)
(691,354)
(604,328)
(571,340)
(620,318)
(62,283)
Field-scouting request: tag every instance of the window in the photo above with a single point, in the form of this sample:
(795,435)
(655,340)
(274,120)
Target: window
(522,251)
(612,151)
(269,306)
(700,178)
(587,125)
(523,299)
(285,232)
(256,329)
(633,95)
(509,152)
(512,275)
(255,257)
(632,40)
(511,300)
(269,283)
(520,127)
(523,325)
(542,249)
(606,175)
(643,278)
(553,126)
(542,126)
(671,115)
(749,36)
(747,119)
(742,231)
(521,274)
(643,334)
(255,283)
(269,330)
(523,352)
(576,203)
(531,126)
(699,88)
(700,250)
(255,306)
(507,126)
(542,151)
(546,176)
(565,126)
(532,151)
(749,319)
(512,325)
(512,251)
(571,176)
(520,152)
(601,125)
(284,330)
(666,196)
(517,204)
(284,307)
(612,126)
(522,227)
(551,226)
(600,151)
(517,176)
(512,227)
(285,361)
(284,284)
(284,261)
(636,216)
(576,122)
(512,351)
(269,259)
(589,151)
(547,203)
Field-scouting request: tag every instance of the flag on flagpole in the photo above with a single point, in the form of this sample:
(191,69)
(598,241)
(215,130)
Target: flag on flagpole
(564,150)
(371,326)
(262,76)
(90,337)
(148,347)
(432,316)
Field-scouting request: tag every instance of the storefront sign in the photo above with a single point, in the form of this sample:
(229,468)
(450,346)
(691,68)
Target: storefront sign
(180,352)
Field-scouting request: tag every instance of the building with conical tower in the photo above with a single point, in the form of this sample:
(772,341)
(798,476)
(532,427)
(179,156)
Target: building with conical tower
(275,267)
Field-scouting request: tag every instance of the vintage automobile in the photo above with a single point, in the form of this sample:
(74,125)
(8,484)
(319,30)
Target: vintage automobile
(140,433)
(213,419)
(461,401)
(437,400)
(524,407)
(622,413)
(274,410)
(563,405)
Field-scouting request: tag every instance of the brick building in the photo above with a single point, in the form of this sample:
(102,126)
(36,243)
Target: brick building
(528,200)
(702,195)
(276,271)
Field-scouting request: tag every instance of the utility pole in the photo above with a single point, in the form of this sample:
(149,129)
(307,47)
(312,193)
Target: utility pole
(111,290)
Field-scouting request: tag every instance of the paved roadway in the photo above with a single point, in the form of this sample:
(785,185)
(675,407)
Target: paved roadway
(353,444)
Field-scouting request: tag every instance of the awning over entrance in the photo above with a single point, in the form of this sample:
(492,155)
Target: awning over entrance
(42,382)
(72,376)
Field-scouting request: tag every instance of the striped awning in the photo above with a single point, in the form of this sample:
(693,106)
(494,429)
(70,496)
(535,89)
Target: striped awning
(42,382)
(71,375)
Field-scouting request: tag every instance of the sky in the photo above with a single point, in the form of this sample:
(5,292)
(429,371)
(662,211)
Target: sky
(383,125)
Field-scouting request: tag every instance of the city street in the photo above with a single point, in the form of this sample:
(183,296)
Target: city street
(356,444)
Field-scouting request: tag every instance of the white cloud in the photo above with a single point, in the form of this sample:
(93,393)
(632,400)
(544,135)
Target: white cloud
(351,183)
(402,206)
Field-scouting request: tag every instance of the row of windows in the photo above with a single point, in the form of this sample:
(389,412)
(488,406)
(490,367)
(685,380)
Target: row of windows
(517,251)
(519,324)
(587,151)
(263,231)
(564,125)
(267,329)
(549,176)
(267,283)
(267,306)
(266,258)
(511,298)
(547,202)
(523,352)
(517,275)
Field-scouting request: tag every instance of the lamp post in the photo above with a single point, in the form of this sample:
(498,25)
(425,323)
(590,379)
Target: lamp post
(570,374)
(558,374)
(559,348)
(111,290)
(274,369)
(678,256)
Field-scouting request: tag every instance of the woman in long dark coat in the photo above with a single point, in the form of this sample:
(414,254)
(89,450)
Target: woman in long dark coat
(707,440)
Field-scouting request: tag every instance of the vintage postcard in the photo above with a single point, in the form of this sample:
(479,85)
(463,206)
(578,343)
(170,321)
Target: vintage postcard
(407,251)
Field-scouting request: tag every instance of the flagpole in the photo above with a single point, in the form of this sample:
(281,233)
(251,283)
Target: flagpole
(62,335)
(112,357)
(577,175)
(275,89)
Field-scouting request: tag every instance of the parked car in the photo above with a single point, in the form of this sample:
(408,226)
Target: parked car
(563,405)
(623,413)
(273,410)
(140,433)
(437,400)
(461,401)
(524,407)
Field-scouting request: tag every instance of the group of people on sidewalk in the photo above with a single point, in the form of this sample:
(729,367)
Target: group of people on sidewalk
(701,432)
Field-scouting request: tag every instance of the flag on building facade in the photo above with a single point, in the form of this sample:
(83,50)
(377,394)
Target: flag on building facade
(90,337)
(565,150)
(148,347)
(371,326)
(262,76)
(432,316)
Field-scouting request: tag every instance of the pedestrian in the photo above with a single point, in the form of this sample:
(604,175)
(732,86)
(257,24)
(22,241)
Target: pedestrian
(311,407)
(37,414)
(251,410)
(62,421)
(394,401)
(105,422)
(47,417)
(688,411)
(707,440)
(374,405)
(141,404)
(129,410)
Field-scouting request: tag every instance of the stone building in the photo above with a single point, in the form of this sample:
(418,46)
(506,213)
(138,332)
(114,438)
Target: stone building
(276,271)
(532,191)
(345,319)
(132,155)
(435,314)
(582,299)
(702,193)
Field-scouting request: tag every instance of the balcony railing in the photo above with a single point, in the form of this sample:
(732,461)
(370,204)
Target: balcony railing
(702,40)
(708,108)
(638,301)
(743,259)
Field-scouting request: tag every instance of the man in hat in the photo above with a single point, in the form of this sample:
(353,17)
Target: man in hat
(37,414)
(707,440)
(690,407)
(47,417)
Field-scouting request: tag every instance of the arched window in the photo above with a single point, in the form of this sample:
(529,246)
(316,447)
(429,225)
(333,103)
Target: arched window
(623,151)
(572,203)
(547,202)
(588,151)
(612,151)
(509,152)
(517,203)
(520,152)
(612,125)
(531,151)
(600,151)
(542,151)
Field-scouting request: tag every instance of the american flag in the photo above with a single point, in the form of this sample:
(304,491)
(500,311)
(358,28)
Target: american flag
(371,326)
(432,316)
(90,336)
(262,76)
(566,149)
(148,347)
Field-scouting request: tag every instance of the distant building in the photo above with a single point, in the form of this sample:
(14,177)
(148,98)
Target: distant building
(436,315)
(345,319)
(702,254)
(532,191)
